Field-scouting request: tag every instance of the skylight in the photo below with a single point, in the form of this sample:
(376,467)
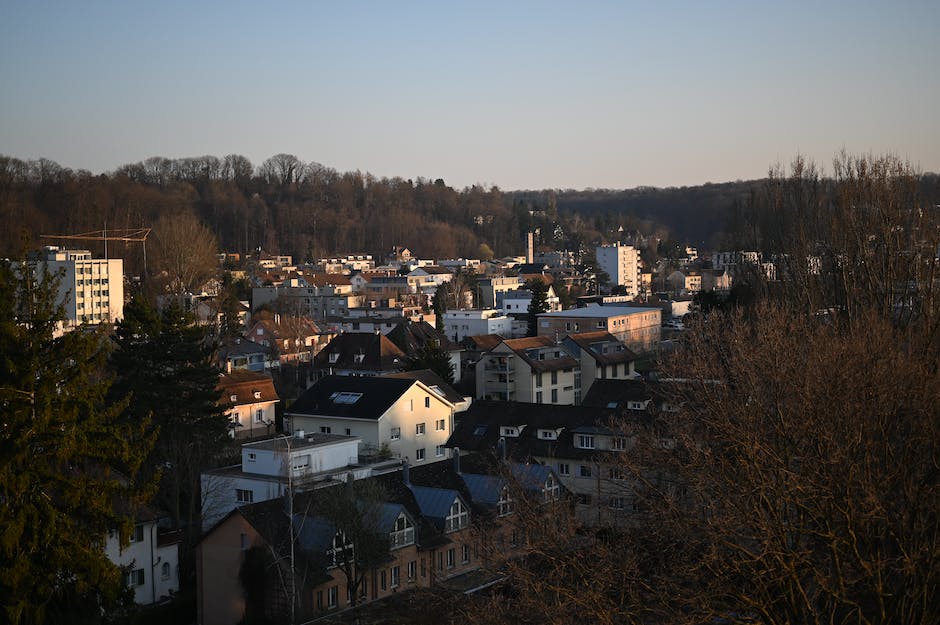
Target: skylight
(345,398)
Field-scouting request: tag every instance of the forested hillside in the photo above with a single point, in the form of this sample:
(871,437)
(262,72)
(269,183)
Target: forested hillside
(287,206)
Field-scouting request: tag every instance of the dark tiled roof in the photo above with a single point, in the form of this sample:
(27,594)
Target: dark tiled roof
(616,393)
(595,342)
(377,353)
(410,337)
(431,380)
(377,396)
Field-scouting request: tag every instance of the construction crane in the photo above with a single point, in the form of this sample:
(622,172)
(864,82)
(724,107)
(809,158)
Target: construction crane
(127,235)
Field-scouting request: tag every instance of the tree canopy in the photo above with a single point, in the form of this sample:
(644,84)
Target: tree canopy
(68,462)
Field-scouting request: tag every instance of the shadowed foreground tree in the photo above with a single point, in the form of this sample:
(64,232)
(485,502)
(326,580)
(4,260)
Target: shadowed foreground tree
(67,462)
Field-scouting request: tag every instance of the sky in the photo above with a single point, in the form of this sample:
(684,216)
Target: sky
(517,94)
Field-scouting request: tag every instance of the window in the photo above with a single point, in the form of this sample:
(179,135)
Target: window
(584,470)
(419,454)
(554,395)
(582,499)
(538,379)
(616,503)
(619,443)
(451,558)
(466,554)
(552,490)
(403,532)
(394,434)
(257,394)
(243,495)
(395,576)
(504,505)
(332,596)
(458,518)
(564,468)
(548,435)
(440,425)
(138,534)
(554,377)
(348,431)
(334,358)
(233,398)
(165,571)
(427,402)
(134,578)
(252,456)
(538,397)
(259,415)
(585,442)
(617,473)
(412,570)
(325,429)
(419,429)
(439,451)
(382,582)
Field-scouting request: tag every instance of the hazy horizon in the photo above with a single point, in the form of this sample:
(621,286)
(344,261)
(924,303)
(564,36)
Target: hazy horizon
(605,95)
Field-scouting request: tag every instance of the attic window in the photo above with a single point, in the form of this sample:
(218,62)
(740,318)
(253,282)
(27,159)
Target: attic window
(345,398)
(480,430)
(358,358)
(257,394)
(334,357)
(233,398)
(510,431)
(437,389)
(547,435)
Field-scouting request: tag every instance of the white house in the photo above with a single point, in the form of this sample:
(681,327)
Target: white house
(249,401)
(150,561)
(269,467)
(462,323)
(394,416)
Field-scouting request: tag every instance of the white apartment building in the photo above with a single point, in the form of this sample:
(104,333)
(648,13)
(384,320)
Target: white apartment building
(270,467)
(622,264)
(91,290)
(459,324)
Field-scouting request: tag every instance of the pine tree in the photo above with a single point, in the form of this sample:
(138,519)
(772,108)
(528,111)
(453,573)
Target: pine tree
(538,304)
(164,361)
(67,461)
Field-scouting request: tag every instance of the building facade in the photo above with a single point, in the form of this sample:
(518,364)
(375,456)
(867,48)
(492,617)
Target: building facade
(622,264)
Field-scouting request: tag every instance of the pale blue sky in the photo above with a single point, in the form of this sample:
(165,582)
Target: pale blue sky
(517,94)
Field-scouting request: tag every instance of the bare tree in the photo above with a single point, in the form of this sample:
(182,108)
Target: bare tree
(185,253)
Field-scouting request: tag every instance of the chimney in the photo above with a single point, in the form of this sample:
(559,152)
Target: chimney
(405,475)
(456,459)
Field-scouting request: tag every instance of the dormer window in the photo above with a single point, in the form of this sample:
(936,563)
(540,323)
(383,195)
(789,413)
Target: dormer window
(585,441)
(510,431)
(257,394)
(403,533)
(547,435)
(358,358)
(334,357)
(233,398)
(458,517)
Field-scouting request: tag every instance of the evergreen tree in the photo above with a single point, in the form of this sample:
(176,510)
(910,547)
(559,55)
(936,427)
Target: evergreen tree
(432,356)
(538,303)
(164,362)
(67,462)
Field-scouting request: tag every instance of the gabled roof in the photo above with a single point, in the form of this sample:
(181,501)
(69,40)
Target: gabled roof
(434,503)
(479,429)
(521,346)
(432,381)
(594,344)
(615,394)
(327,279)
(412,336)
(348,396)
(244,385)
(482,342)
(364,351)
